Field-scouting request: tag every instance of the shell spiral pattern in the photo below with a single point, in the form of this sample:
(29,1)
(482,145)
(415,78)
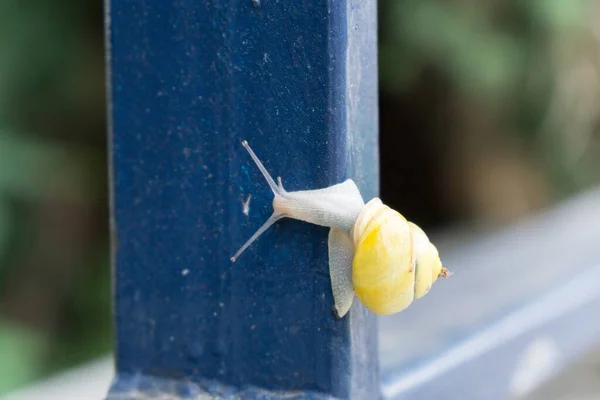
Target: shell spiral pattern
(394,261)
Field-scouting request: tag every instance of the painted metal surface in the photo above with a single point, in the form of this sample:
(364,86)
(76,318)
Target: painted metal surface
(521,306)
(189,80)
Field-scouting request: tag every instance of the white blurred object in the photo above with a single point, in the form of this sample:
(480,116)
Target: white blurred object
(537,363)
(86,382)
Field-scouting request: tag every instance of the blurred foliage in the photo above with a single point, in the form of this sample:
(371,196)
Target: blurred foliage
(54,269)
(495,102)
(515,101)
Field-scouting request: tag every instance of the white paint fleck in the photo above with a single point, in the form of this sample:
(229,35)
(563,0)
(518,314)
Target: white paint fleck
(185,272)
(246,205)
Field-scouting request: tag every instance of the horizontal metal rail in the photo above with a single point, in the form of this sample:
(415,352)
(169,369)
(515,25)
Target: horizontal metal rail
(523,303)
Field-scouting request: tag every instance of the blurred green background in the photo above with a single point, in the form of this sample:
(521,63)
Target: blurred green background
(489,111)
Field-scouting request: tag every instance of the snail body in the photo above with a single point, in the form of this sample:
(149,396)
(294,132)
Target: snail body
(374,252)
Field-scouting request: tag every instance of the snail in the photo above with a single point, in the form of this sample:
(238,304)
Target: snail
(374,252)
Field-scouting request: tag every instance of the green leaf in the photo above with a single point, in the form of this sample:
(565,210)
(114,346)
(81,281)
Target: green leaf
(5,229)
(21,349)
(32,168)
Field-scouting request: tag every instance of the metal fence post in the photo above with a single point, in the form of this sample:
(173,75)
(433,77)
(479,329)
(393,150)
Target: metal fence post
(188,81)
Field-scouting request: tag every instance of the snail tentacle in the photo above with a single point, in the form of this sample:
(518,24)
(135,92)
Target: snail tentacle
(272,219)
(278,192)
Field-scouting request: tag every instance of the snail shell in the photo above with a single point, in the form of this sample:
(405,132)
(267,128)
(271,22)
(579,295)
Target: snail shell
(394,262)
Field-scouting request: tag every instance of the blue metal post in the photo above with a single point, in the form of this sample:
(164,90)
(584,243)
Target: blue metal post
(189,80)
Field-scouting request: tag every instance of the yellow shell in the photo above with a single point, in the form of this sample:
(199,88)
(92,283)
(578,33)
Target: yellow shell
(394,262)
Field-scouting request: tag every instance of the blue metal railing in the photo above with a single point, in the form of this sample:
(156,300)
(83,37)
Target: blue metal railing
(519,308)
(189,80)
